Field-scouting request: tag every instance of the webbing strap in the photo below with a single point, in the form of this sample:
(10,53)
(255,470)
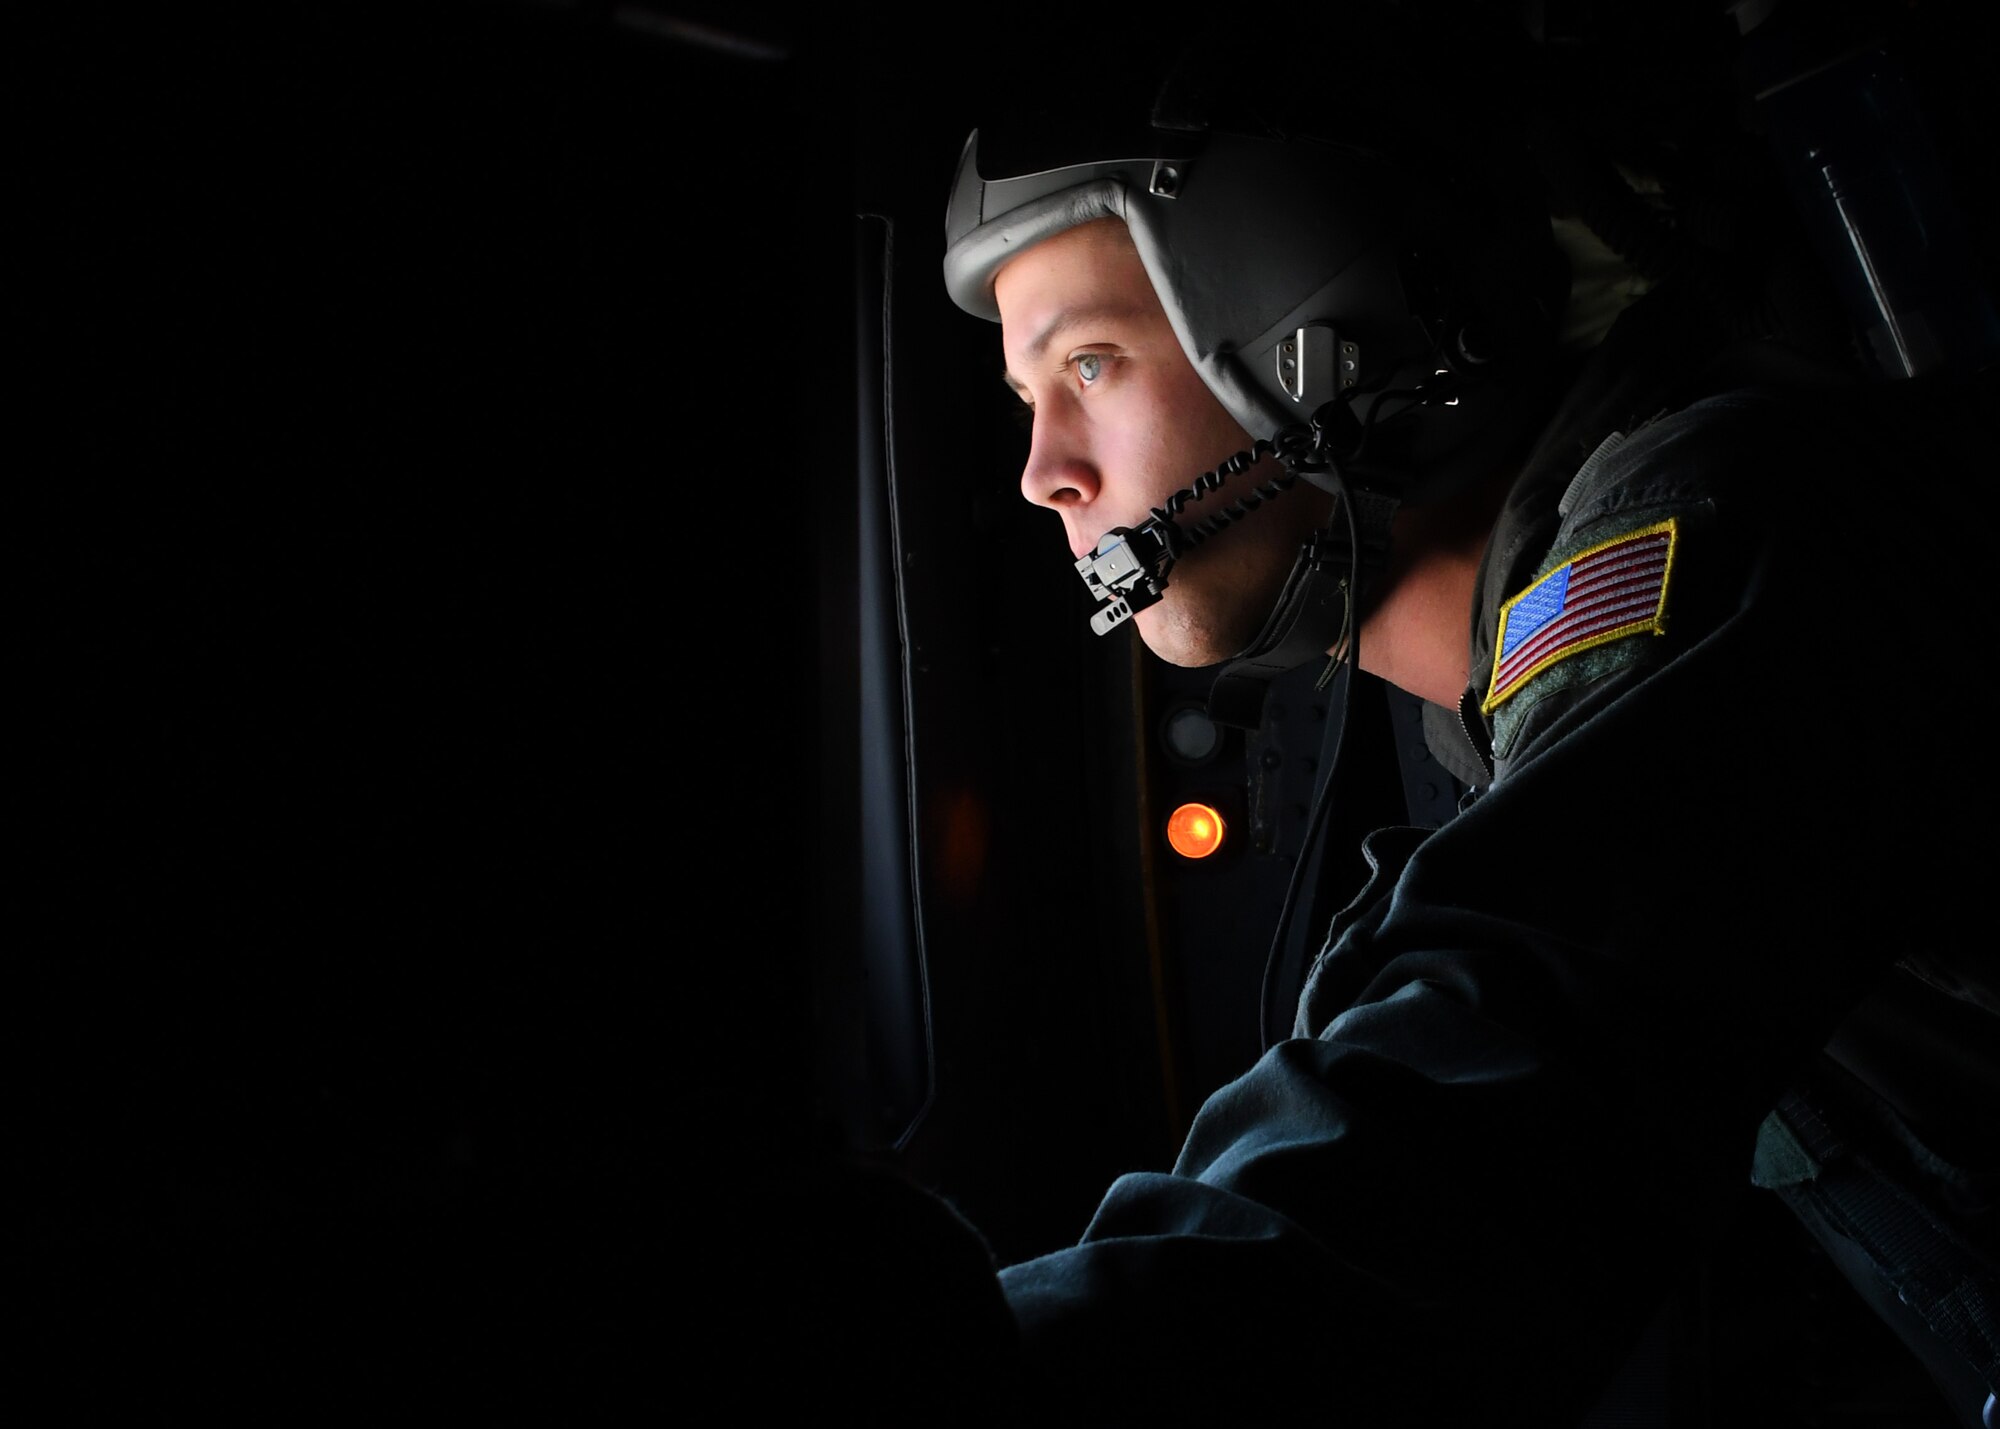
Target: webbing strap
(1931,1267)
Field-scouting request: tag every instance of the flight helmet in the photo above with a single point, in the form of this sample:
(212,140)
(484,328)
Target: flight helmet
(1320,219)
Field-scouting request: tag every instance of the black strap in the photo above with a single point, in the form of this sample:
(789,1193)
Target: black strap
(1933,1270)
(1311,613)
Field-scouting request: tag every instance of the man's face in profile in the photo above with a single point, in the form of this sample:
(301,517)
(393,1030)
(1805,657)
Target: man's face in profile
(1122,421)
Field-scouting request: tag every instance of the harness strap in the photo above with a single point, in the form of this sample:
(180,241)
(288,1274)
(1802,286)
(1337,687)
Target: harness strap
(1933,1270)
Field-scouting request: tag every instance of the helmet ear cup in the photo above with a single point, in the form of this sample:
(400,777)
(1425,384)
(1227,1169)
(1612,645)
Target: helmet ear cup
(1429,92)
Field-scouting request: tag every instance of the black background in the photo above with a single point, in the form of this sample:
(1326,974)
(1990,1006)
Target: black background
(434,411)
(439,423)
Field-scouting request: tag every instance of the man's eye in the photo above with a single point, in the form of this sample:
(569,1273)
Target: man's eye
(1089,367)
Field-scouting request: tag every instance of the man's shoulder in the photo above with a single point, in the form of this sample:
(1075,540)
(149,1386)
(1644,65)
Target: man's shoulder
(1787,451)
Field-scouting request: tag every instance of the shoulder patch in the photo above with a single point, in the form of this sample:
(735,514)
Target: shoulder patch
(1614,589)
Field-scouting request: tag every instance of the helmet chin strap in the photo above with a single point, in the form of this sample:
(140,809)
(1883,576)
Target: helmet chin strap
(1338,573)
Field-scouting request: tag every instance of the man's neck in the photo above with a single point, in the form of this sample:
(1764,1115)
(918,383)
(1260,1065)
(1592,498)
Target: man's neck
(1418,637)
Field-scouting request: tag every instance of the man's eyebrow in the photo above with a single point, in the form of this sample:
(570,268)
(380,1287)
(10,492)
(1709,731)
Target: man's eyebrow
(1064,322)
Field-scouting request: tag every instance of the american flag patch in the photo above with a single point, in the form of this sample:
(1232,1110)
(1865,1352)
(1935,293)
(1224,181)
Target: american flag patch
(1609,591)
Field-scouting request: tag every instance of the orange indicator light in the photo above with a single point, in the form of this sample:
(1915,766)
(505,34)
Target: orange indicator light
(1195,830)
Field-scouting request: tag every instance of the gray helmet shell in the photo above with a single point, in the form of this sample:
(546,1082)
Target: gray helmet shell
(1326,253)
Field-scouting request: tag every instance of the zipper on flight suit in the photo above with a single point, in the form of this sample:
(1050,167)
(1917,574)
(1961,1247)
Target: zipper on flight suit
(1475,732)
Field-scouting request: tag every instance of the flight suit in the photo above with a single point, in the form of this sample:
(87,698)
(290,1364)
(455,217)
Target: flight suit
(1530,1065)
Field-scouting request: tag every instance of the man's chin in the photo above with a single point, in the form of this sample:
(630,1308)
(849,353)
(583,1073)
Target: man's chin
(1177,642)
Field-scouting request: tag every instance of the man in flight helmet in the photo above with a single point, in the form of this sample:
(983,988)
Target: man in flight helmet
(1226,278)
(1292,351)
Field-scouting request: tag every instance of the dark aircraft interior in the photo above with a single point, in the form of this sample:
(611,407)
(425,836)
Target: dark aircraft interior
(589,860)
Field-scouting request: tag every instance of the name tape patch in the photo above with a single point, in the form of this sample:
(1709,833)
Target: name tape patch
(1610,591)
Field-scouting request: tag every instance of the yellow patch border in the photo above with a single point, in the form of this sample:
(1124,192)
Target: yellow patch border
(1654,624)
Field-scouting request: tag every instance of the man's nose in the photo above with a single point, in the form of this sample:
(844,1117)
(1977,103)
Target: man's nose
(1059,473)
